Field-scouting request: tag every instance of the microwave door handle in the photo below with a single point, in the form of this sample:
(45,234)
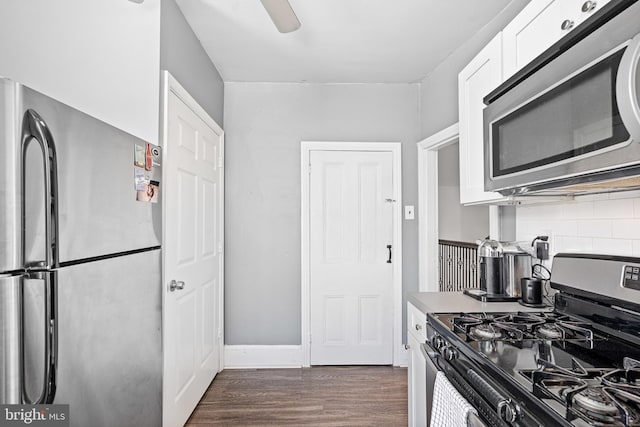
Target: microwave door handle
(48,391)
(34,127)
(627,90)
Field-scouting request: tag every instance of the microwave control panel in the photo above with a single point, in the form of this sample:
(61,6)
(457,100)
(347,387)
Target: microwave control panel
(631,277)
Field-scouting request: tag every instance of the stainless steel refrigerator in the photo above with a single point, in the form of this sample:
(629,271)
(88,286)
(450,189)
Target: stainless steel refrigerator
(80,272)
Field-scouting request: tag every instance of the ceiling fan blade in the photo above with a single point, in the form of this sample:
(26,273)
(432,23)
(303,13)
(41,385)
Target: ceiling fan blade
(282,15)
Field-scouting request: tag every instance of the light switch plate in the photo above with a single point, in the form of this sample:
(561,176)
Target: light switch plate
(409,212)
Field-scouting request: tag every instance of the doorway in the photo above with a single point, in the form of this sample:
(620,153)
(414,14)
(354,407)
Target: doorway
(351,253)
(442,219)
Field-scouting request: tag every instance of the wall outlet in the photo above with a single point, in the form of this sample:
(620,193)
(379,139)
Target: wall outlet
(541,249)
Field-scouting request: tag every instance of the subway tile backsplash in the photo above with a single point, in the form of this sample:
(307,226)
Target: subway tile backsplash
(605,223)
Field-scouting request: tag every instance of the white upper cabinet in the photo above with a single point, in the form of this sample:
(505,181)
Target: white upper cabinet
(540,25)
(476,80)
(536,28)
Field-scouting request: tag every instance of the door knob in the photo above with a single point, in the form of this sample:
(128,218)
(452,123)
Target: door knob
(176,286)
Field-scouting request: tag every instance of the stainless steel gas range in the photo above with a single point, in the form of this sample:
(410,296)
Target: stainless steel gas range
(577,365)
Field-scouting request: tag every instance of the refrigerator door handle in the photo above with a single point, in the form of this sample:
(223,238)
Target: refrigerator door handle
(11,339)
(48,391)
(33,127)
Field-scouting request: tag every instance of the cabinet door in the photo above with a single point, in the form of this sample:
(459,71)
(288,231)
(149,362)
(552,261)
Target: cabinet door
(540,25)
(533,30)
(477,79)
(417,383)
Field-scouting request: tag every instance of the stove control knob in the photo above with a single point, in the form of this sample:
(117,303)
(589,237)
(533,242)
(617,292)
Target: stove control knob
(508,411)
(438,342)
(449,353)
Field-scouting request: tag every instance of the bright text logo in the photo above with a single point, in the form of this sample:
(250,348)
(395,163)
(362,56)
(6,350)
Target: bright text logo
(34,415)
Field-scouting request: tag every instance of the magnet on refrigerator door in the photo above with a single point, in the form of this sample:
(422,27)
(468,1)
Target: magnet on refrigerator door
(138,155)
(150,192)
(141,179)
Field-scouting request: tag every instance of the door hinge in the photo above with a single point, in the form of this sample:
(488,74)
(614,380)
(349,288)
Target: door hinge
(220,162)
(220,248)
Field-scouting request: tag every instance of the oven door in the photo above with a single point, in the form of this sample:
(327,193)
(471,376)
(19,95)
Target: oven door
(431,371)
(492,406)
(431,356)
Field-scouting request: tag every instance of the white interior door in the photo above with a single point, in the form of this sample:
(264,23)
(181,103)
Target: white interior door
(192,257)
(351,227)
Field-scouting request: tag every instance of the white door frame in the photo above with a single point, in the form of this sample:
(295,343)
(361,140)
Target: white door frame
(171,85)
(395,149)
(428,207)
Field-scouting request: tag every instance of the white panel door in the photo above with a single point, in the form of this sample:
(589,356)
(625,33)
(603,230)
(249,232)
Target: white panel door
(192,245)
(351,225)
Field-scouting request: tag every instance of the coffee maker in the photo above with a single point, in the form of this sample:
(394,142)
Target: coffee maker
(502,265)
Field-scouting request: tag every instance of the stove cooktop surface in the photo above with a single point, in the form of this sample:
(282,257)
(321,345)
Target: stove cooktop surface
(590,396)
(586,376)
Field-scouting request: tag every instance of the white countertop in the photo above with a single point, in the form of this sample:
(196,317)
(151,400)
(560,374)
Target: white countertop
(447,302)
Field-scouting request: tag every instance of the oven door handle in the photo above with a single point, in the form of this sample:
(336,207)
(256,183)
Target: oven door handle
(428,352)
(507,410)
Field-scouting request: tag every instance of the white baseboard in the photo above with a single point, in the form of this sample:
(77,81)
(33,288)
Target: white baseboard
(262,356)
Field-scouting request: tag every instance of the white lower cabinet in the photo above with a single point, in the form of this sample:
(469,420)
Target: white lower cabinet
(417,372)
(417,384)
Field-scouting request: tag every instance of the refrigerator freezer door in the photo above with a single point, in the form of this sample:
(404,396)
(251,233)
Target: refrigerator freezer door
(98,213)
(10,190)
(10,329)
(109,365)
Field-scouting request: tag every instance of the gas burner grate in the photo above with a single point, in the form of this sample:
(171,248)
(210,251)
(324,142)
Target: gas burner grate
(597,396)
(520,326)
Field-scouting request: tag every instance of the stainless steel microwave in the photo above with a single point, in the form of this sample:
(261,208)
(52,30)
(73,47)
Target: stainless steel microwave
(573,125)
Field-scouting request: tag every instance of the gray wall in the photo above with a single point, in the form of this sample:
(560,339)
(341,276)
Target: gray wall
(184,57)
(439,89)
(455,221)
(264,124)
(100,57)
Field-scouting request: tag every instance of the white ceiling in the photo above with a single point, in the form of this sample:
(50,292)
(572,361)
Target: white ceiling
(341,41)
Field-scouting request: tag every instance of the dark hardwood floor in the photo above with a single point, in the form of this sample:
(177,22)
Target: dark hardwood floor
(318,396)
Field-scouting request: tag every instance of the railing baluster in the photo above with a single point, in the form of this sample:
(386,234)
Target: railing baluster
(458,265)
